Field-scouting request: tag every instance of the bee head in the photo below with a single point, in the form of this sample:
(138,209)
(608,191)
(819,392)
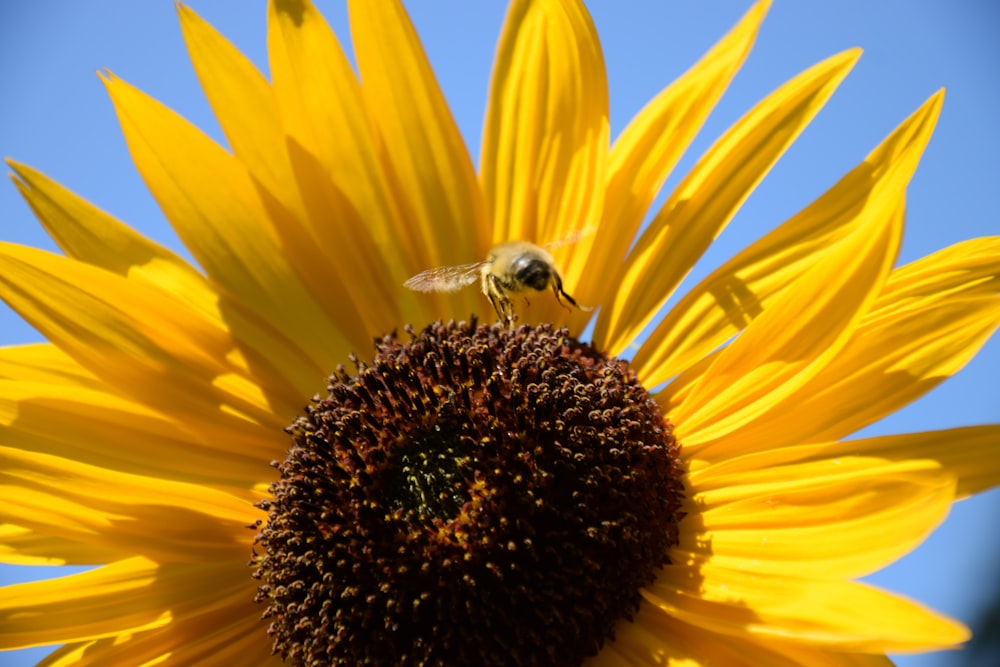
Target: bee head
(532,272)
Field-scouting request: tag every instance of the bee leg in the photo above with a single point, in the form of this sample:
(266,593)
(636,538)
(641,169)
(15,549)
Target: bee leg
(557,289)
(498,298)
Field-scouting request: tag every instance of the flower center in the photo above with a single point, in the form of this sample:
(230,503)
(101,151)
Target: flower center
(476,496)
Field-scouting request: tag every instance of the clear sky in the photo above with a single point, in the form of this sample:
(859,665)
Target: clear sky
(55,116)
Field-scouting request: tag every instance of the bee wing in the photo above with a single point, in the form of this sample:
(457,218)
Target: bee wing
(571,238)
(445,278)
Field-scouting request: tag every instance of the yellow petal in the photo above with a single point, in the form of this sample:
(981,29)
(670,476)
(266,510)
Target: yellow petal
(842,616)
(329,248)
(162,519)
(647,150)
(143,344)
(969,453)
(95,427)
(335,149)
(655,639)
(23,546)
(113,602)
(99,603)
(725,302)
(91,235)
(43,362)
(829,284)
(929,321)
(322,108)
(249,115)
(244,105)
(795,338)
(967,269)
(889,363)
(702,205)
(212,635)
(434,183)
(212,203)
(831,518)
(545,139)
(546,132)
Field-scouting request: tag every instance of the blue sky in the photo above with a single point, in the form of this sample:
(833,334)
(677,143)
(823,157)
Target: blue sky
(56,117)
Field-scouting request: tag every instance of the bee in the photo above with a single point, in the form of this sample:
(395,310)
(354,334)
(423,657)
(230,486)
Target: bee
(509,268)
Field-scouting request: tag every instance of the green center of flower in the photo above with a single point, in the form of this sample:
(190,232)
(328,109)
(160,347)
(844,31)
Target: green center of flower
(476,496)
(426,479)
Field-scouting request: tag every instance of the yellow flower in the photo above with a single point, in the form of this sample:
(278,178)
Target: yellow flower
(140,439)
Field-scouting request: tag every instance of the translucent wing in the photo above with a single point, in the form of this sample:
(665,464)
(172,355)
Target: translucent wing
(445,278)
(571,238)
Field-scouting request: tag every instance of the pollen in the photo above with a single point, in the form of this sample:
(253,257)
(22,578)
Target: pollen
(475,496)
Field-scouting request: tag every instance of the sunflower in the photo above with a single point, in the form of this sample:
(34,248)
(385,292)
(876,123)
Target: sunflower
(465,492)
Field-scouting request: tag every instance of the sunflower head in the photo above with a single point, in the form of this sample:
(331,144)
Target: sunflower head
(476,495)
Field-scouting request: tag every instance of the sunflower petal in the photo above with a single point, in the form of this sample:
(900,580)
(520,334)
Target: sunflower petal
(43,362)
(103,602)
(836,290)
(203,636)
(970,268)
(322,106)
(969,453)
(647,150)
(930,320)
(197,618)
(655,639)
(827,518)
(702,205)
(727,300)
(244,105)
(434,182)
(794,339)
(90,235)
(330,149)
(206,636)
(887,365)
(95,427)
(212,203)
(248,112)
(546,132)
(23,546)
(146,346)
(840,615)
(162,519)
